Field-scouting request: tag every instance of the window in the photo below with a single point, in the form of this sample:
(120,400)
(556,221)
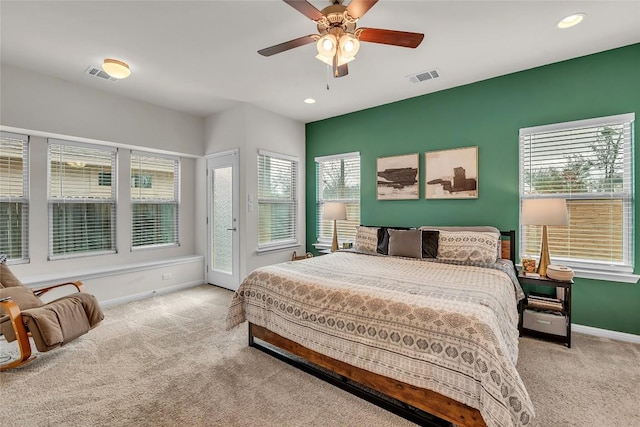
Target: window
(338,180)
(81,208)
(277,200)
(14,196)
(154,200)
(589,163)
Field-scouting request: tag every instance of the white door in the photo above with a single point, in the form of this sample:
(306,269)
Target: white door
(223,254)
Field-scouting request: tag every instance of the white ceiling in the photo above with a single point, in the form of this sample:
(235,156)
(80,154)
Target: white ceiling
(200,56)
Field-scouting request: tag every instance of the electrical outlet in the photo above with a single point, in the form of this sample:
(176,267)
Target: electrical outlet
(167,276)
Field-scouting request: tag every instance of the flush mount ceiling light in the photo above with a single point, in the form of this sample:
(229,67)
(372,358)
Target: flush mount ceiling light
(309,101)
(116,69)
(571,20)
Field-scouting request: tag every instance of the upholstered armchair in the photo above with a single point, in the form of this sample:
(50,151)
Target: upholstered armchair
(23,315)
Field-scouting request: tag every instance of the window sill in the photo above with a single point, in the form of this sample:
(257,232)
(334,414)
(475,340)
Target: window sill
(320,246)
(606,275)
(269,249)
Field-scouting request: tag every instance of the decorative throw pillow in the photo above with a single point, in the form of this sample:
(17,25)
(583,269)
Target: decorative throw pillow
(407,243)
(467,246)
(366,239)
(472,228)
(430,243)
(383,238)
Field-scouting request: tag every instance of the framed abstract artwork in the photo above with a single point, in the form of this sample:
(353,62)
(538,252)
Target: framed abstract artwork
(397,177)
(451,174)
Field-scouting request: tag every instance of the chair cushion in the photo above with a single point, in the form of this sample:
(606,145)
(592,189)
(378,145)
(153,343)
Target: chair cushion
(57,323)
(22,296)
(90,304)
(7,279)
(25,299)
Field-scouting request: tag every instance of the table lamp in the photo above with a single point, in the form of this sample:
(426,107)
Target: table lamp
(544,212)
(334,211)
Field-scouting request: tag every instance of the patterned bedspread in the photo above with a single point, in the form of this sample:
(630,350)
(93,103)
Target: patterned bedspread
(448,328)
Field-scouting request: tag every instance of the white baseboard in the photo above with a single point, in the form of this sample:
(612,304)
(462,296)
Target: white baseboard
(148,294)
(605,333)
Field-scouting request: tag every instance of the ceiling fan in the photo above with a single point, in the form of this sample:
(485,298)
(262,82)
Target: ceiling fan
(338,39)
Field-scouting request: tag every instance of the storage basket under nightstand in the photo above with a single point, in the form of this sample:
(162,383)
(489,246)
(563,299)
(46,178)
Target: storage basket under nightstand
(547,323)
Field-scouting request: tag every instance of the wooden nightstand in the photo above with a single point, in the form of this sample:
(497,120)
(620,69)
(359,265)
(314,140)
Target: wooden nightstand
(547,319)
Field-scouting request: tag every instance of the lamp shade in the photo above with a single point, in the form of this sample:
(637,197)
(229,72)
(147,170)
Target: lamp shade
(116,69)
(544,212)
(327,45)
(334,211)
(349,46)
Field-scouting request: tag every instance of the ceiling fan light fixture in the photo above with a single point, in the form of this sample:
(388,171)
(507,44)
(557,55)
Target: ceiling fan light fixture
(571,20)
(338,38)
(349,46)
(325,59)
(327,45)
(116,69)
(329,60)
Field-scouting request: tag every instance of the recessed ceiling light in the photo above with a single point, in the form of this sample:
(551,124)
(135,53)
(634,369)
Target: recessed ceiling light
(309,101)
(571,20)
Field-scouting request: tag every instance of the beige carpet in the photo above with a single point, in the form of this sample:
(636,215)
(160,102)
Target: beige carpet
(167,361)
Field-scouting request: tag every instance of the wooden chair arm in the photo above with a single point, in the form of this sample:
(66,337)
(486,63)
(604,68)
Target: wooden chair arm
(4,317)
(15,317)
(79,286)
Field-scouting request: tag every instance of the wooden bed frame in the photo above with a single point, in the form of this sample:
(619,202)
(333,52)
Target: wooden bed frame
(416,404)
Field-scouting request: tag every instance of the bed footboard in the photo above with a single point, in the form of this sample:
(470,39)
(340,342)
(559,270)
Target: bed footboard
(437,408)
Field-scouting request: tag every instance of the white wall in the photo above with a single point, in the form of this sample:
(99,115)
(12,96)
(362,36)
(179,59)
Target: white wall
(29,100)
(42,106)
(249,129)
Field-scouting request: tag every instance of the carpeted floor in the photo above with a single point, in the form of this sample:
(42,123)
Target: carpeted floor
(167,361)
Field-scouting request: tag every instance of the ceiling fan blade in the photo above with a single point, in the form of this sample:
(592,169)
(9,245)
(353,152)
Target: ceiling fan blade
(395,38)
(305,8)
(357,8)
(301,41)
(341,71)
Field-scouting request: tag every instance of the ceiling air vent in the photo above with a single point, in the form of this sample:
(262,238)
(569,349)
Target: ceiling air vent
(423,76)
(97,72)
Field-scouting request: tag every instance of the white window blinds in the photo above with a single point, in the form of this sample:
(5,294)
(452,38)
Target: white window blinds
(154,200)
(14,196)
(82,199)
(590,164)
(277,200)
(338,180)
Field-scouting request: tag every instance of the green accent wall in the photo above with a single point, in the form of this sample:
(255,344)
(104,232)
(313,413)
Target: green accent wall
(488,114)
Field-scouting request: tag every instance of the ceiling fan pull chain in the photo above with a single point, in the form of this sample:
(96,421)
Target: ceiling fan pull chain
(327,75)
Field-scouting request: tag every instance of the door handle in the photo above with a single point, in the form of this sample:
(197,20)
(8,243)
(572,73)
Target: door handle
(231,229)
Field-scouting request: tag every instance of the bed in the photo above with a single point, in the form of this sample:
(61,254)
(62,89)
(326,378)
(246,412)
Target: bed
(438,333)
